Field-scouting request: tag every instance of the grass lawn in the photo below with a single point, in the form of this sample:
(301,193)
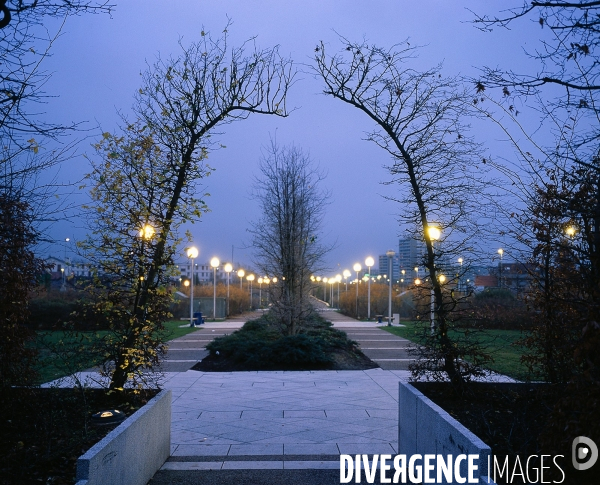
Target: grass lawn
(62,353)
(499,343)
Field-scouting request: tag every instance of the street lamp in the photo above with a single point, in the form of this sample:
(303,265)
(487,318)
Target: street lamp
(325,289)
(369,262)
(346,274)
(228,269)
(331,283)
(570,231)
(147,231)
(460,260)
(241,274)
(214,262)
(250,278)
(501,253)
(192,253)
(357,267)
(390,254)
(260,282)
(434,234)
(266,281)
(338,278)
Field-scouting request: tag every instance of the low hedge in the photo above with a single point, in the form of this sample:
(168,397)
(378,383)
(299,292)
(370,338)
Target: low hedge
(259,346)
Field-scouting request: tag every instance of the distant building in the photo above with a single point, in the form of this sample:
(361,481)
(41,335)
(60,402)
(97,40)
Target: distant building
(204,272)
(410,253)
(384,268)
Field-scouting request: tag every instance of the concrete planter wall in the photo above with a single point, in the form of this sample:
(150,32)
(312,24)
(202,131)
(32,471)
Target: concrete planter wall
(133,451)
(425,428)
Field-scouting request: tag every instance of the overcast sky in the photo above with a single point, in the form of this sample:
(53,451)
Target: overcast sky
(97,62)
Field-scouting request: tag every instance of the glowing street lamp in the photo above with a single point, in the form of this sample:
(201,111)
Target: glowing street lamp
(147,232)
(260,282)
(434,232)
(214,262)
(357,267)
(266,281)
(228,269)
(501,253)
(346,274)
(250,278)
(325,289)
(369,262)
(338,278)
(241,274)
(192,253)
(390,254)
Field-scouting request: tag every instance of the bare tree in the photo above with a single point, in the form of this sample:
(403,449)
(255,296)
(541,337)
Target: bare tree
(181,104)
(420,122)
(286,238)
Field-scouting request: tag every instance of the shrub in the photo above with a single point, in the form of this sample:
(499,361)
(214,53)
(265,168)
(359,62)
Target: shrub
(258,345)
(500,308)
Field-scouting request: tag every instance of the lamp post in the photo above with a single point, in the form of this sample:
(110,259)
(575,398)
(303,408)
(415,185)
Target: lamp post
(250,278)
(192,253)
(346,274)
(214,262)
(331,283)
(260,282)
(63,270)
(324,289)
(501,253)
(369,262)
(460,261)
(267,281)
(241,274)
(435,234)
(338,278)
(357,267)
(390,254)
(228,269)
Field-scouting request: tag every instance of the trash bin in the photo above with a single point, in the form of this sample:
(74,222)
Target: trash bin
(379,318)
(198,320)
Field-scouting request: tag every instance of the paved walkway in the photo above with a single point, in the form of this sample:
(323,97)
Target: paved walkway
(227,425)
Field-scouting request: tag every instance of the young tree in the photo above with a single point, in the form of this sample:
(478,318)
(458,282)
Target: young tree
(181,104)
(286,238)
(420,120)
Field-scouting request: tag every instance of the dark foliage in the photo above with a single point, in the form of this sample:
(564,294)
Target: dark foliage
(19,268)
(524,420)
(259,345)
(45,430)
(500,308)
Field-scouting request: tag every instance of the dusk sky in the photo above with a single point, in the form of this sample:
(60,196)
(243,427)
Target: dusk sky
(97,62)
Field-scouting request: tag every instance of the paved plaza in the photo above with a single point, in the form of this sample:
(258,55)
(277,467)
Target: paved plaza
(227,421)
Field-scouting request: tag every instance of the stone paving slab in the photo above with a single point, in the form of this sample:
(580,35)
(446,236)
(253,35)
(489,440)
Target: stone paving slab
(263,413)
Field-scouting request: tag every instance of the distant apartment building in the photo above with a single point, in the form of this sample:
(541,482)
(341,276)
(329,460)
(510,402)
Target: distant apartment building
(384,267)
(203,272)
(410,253)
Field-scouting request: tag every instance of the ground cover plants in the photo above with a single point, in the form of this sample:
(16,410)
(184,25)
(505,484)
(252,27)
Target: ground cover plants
(45,430)
(515,420)
(259,345)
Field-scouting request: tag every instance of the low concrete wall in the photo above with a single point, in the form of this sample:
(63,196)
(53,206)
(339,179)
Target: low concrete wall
(425,428)
(133,451)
